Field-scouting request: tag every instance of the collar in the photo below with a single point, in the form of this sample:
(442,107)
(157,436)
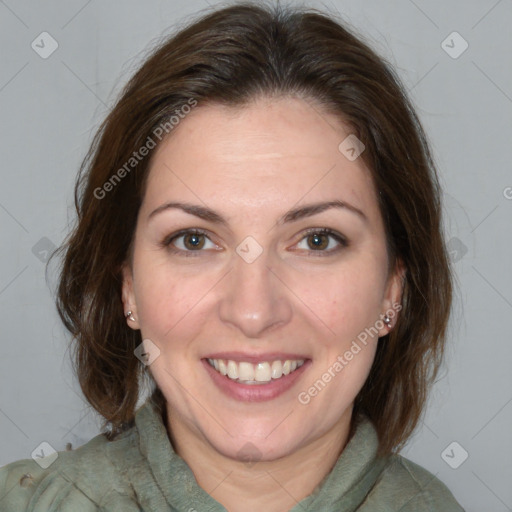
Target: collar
(171,483)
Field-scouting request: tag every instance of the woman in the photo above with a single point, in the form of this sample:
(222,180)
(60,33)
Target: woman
(259,235)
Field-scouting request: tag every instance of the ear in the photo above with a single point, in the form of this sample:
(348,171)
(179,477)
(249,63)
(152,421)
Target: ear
(128,297)
(392,301)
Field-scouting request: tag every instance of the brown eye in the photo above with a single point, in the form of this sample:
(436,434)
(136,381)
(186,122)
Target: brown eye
(187,242)
(318,241)
(321,241)
(193,241)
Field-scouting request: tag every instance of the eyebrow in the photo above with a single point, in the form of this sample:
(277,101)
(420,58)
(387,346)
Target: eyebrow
(291,216)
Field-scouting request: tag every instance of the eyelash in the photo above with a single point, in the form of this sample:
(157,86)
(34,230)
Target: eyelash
(167,242)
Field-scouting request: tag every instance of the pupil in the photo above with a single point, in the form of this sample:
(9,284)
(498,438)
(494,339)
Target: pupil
(317,240)
(194,240)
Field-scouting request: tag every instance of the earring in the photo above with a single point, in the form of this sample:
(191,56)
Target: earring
(130,316)
(387,320)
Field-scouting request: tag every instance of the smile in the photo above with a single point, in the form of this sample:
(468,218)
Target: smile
(262,372)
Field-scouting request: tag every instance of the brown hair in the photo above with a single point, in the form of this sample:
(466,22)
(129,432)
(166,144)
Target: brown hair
(231,56)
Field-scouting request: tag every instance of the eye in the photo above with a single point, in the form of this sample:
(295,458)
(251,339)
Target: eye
(318,240)
(193,240)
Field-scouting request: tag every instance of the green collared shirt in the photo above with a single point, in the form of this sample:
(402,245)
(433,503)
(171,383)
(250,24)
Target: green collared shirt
(139,471)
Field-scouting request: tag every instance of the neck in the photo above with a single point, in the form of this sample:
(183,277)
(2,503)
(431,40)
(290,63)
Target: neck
(273,486)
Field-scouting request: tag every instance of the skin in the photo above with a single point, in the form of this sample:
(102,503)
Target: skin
(252,165)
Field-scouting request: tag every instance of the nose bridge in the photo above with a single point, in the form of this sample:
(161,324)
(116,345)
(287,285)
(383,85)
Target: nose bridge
(254,299)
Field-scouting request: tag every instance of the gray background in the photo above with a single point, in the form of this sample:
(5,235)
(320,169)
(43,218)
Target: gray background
(51,107)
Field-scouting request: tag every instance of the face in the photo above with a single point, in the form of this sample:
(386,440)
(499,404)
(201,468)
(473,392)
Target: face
(235,280)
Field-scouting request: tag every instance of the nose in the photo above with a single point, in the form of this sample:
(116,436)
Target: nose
(254,299)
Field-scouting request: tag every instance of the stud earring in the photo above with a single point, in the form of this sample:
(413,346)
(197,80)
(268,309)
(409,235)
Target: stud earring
(387,320)
(130,316)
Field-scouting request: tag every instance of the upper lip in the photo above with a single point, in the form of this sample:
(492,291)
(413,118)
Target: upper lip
(256,358)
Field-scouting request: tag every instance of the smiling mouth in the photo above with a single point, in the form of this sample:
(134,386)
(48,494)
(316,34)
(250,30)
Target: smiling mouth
(260,373)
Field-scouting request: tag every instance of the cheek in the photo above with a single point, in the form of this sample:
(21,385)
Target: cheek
(347,301)
(166,300)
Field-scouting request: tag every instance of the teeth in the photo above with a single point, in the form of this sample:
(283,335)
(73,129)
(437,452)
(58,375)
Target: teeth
(232,370)
(245,371)
(222,367)
(261,372)
(277,369)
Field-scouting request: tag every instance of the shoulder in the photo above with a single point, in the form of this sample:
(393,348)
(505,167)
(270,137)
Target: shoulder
(81,480)
(408,487)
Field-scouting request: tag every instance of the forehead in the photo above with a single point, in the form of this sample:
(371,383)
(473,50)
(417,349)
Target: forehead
(270,152)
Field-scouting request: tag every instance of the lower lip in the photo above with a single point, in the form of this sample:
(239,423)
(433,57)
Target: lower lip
(255,392)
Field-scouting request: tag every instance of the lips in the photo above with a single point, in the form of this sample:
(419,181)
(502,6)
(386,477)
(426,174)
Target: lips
(255,378)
